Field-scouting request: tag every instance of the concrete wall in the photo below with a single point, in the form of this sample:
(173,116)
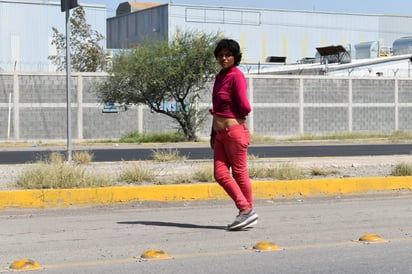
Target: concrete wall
(33,107)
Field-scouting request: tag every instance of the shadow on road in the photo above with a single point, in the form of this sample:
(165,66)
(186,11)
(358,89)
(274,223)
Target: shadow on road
(181,225)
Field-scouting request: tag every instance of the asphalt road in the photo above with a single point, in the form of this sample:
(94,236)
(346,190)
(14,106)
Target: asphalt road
(108,154)
(313,236)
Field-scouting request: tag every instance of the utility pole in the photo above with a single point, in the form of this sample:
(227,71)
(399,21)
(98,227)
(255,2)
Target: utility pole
(66,5)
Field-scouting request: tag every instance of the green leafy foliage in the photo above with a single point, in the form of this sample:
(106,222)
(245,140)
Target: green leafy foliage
(168,77)
(136,137)
(86,52)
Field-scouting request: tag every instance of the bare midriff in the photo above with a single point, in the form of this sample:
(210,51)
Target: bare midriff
(220,123)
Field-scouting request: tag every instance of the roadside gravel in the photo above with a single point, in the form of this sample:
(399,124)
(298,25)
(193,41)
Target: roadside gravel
(167,172)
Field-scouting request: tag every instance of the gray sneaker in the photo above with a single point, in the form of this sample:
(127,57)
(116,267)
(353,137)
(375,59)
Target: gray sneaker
(243,221)
(251,225)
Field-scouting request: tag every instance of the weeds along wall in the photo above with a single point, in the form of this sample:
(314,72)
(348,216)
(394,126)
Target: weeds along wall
(33,107)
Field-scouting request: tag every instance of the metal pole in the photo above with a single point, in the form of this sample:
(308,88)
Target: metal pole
(68,87)
(9,121)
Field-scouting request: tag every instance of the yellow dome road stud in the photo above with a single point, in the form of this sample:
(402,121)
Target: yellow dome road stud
(371,238)
(266,246)
(155,254)
(25,264)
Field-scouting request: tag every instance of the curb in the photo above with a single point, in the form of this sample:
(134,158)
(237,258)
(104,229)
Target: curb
(59,198)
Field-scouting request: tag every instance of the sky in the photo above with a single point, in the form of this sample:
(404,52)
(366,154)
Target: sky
(398,7)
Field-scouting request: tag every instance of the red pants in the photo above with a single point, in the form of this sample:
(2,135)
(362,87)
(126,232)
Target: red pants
(230,151)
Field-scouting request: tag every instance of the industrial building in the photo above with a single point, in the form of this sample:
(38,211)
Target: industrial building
(26,32)
(263,33)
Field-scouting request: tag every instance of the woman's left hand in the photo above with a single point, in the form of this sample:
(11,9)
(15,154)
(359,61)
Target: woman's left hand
(212,142)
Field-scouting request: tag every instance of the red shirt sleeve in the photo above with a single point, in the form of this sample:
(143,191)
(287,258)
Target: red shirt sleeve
(240,94)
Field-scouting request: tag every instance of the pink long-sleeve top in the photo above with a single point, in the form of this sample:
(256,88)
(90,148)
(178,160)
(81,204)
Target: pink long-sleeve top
(230,95)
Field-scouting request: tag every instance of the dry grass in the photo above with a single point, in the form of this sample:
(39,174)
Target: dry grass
(55,158)
(316,171)
(286,172)
(394,136)
(137,174)
(60,175)
(252,157)
(402,169)
(55,173)
(257,171)
(261,139)
(283,172)
(204,174)
(82,157)
(182,179)
(167,155)
(280,172)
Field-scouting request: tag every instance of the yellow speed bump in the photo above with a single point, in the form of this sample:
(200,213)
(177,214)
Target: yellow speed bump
(265,246)
(372,238)
(25,264)
(155,254)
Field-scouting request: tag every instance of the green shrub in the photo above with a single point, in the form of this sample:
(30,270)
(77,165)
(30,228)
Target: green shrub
(135,137)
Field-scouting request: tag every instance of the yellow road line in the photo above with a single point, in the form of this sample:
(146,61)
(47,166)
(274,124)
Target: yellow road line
(208,254)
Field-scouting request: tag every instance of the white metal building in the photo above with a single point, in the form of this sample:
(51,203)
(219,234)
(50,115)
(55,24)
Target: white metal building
(26,32)
(261,32)
(26,29)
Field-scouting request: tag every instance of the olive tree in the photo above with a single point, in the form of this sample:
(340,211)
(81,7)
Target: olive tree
(167,76)
(87,53)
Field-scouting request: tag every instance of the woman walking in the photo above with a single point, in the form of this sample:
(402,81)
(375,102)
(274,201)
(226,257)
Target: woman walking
(230,136)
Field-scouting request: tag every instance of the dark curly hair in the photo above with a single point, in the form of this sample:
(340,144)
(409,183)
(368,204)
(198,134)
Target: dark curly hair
(230,45)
